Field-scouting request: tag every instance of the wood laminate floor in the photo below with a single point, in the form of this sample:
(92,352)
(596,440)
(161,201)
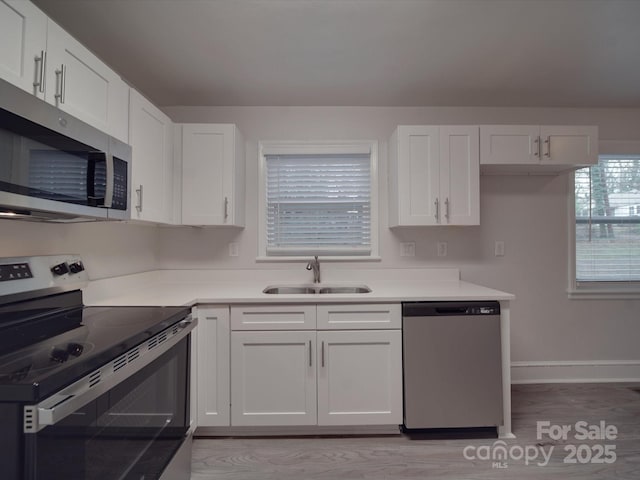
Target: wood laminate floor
(402,458)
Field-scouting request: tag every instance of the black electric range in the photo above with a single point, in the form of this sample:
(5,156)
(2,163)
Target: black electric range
(87,381)
(78,340)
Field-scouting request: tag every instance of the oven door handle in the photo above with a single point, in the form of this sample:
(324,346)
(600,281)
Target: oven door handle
(62,404)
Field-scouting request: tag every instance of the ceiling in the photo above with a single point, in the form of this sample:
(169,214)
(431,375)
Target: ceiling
(539,53)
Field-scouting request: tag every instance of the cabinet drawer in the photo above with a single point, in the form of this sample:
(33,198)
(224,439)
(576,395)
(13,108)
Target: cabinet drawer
(273,317)
(354,317)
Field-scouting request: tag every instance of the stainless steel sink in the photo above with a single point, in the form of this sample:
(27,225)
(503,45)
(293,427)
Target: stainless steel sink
(345,289)
(315,289)
(289,290)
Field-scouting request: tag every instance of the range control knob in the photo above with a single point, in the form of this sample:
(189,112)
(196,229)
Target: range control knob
(75,349)
(58,355)
(76,267)
(60,269)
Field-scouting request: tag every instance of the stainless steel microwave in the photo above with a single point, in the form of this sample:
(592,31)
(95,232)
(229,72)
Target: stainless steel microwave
(54,167)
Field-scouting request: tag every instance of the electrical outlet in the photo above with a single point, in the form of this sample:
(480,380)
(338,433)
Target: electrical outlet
(442,249)
(233,249)
(499,248)
(408,249)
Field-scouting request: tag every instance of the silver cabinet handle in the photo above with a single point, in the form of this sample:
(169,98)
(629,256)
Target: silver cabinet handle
(61,79)
(139,192)
(310,355)
(547,143)
(446,208)
(322,355)
(40,63)
(536,148)
(226,208)
(437,204)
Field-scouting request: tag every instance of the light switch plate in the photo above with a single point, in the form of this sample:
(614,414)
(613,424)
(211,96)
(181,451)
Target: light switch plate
(442,249)
(499,248)
(233,249)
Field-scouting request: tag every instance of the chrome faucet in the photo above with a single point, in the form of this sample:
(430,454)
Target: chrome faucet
(315,266)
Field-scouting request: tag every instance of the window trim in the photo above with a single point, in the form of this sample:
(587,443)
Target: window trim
(598,290)
(270,147)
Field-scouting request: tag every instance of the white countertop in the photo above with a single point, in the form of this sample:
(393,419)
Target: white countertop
(190,287)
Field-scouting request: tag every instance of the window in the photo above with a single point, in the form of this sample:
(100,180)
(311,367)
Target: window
(318,199)
(607,225)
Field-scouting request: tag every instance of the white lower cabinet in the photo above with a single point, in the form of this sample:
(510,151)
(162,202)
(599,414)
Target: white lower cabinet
(212,368)
(273,378)
(317,377)
(360,377)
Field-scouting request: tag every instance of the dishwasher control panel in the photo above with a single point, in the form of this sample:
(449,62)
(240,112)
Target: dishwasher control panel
(438,309)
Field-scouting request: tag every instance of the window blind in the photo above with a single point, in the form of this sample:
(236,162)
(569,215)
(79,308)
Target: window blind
(318,204)
(607,199)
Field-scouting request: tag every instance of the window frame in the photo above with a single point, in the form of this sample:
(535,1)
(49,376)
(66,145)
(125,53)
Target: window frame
(598,290)
(316,147)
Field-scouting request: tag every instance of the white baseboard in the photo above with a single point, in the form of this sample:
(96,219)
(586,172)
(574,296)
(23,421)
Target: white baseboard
(589,371)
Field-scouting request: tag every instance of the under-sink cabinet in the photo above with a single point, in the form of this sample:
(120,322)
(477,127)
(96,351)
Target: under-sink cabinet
(306,365)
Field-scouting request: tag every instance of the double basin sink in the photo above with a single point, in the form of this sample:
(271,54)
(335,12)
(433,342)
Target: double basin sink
(312,289)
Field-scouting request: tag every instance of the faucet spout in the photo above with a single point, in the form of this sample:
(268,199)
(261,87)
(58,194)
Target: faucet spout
(315,266)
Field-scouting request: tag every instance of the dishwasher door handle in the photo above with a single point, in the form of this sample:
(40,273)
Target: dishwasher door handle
(451,310)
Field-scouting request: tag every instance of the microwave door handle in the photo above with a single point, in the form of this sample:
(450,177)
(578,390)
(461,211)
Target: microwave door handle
(108,193)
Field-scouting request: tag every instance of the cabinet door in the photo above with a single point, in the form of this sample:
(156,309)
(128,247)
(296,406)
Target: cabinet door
(208,152)
(509,144)
(151,138)
(572,145)
(23,43)
(360,377)
(273,378)
(459,175)
(213,387)
(83,86)
(418,175)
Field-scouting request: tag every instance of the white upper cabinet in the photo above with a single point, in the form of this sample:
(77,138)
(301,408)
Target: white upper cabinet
(38,56)
(151,139)
(537,149)
(213,167)
(434,176)
(83,86)
(23,45)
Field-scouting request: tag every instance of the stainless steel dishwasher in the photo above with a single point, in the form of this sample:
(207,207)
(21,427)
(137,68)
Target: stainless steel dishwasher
(452,364)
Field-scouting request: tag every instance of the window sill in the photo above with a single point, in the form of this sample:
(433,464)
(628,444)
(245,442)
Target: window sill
(345,258)
(604,293)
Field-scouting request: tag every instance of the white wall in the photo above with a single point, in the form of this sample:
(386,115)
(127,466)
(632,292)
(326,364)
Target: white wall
(108,249)
(530,214)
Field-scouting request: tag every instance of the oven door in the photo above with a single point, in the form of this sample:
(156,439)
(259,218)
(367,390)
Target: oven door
(132,431)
